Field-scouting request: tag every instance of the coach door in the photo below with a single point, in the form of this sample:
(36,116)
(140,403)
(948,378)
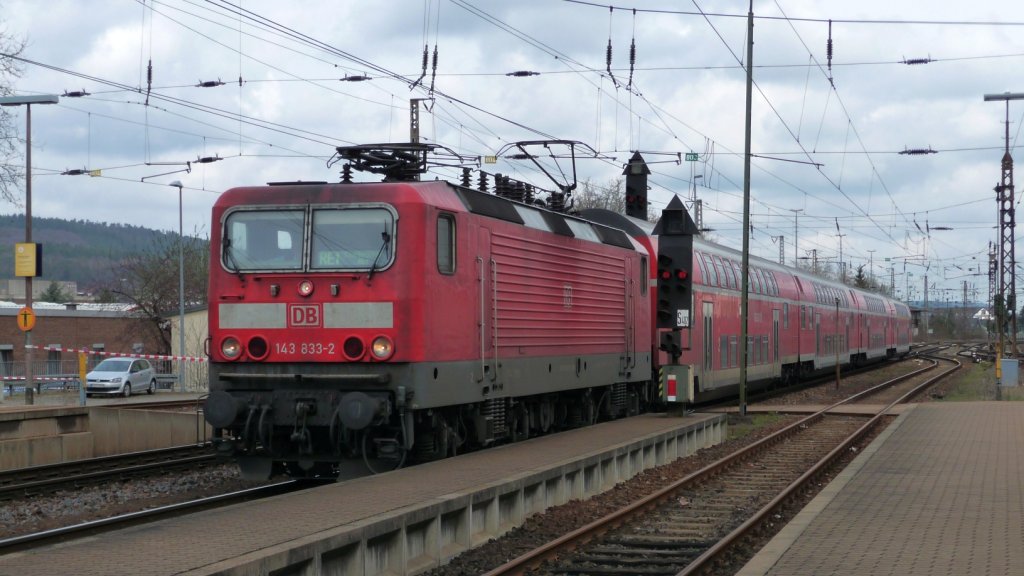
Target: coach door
(817,337)
(707,360)
(486,316)
(776,369)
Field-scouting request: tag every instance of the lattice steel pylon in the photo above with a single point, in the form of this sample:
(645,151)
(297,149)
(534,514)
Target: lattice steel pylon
(1006,299)
(1007,261)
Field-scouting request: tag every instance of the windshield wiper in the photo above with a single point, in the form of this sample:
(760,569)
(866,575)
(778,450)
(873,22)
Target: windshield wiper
(230,256)
(373,267)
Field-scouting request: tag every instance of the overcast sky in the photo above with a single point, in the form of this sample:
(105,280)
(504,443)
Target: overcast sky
(833,153)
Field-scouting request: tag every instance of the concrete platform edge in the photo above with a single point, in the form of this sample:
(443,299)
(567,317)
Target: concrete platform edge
(413,539)
(767,557)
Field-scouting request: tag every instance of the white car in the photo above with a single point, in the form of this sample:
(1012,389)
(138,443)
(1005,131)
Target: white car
(121,376)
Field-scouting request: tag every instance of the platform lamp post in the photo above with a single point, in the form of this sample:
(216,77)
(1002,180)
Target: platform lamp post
(27,102)
(181,291)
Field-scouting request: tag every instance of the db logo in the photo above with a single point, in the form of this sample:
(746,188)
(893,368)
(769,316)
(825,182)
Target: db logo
(304,315)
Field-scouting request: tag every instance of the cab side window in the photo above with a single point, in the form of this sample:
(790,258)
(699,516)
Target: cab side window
(446,244)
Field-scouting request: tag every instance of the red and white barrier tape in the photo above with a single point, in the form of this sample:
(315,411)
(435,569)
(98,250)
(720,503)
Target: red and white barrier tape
(117,354)
(39,378)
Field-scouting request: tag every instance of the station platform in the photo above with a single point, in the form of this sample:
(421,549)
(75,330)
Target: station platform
(401,522)
(71,399)
(937,493)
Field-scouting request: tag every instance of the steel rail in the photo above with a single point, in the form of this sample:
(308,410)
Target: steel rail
(708,561)
(580,536)
(48,475)
(38,538)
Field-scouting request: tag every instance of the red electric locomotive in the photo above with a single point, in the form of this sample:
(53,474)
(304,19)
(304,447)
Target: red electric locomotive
(407,320)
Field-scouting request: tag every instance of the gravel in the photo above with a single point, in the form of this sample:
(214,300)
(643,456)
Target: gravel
(69,507)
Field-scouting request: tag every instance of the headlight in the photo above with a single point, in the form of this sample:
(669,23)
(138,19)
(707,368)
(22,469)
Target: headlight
(382,348)
(116,380)
(231,348)
(305,288)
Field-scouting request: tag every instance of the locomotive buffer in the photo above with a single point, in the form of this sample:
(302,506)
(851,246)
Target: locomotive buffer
(675,230)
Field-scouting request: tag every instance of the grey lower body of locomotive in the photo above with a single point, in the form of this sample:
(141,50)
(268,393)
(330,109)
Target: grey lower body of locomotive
(250,403)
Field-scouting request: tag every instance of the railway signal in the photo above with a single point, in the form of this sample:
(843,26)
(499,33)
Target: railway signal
(675,232)
(675,284)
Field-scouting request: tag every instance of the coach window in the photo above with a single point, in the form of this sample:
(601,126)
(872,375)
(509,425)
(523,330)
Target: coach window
(785,315)
(724,351)
(353,239)
(446,244)
(699,257)
(755,275)
(730,273)
(712,278)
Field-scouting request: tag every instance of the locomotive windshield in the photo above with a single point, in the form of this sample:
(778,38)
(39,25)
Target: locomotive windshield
(264,240)
(359,238)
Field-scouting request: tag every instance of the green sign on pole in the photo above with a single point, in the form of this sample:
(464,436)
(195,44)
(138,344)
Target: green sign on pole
(691,156)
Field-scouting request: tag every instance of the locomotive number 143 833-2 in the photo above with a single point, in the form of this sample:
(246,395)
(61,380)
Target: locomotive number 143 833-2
(305,348)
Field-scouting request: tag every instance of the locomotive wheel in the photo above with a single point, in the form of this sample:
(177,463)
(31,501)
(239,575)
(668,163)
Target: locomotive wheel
(520,424)
(589,410)
(634,404)
(546,415)
(383,452)
(434,443)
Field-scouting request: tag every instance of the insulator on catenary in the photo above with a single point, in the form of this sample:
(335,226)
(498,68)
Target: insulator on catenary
(608,63)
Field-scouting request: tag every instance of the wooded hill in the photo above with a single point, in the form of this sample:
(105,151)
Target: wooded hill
(88,253)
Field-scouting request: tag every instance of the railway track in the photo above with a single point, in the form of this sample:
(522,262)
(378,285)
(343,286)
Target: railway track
(37,539)
(175,405)
(22,482)
(697,524)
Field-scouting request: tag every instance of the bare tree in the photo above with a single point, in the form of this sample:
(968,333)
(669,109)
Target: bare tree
(609,196)
(12,166)
(149,279)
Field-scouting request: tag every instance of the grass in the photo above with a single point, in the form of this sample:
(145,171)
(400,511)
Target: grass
(976,382)
(740,426)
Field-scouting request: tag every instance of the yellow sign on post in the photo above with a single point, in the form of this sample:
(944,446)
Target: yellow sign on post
(83,366)
(26,319)
(28,259)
